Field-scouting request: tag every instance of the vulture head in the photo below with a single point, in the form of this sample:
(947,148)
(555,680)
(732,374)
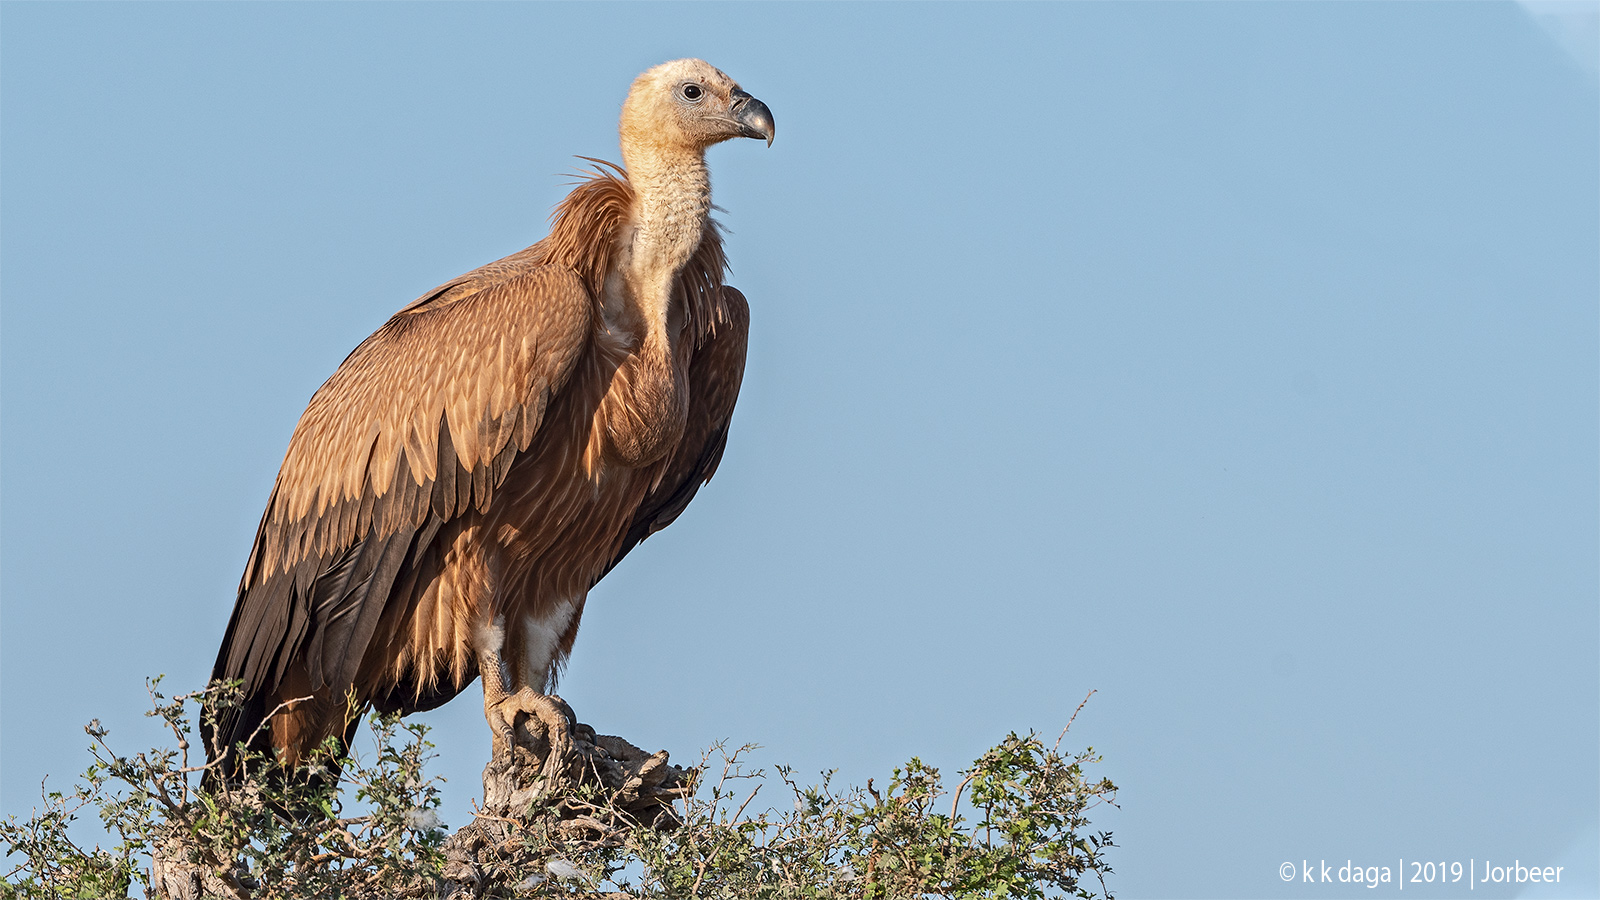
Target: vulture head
(689,104)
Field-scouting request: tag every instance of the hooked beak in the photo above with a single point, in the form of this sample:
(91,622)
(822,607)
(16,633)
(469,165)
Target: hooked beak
(755,120)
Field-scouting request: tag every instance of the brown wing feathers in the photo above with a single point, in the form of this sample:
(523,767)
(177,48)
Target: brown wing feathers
(421,423)
(359,481)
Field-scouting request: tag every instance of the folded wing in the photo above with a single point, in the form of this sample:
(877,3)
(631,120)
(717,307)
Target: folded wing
(419,425)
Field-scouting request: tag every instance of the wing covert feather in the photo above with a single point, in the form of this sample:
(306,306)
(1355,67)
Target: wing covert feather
(420,422)
(439,386)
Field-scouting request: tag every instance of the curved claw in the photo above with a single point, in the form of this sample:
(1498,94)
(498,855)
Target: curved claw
(543,719)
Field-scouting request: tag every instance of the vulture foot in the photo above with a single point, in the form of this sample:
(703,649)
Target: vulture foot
(556,789)
(531,728)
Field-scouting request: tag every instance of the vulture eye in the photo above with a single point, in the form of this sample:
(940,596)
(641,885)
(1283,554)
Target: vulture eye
(692,92)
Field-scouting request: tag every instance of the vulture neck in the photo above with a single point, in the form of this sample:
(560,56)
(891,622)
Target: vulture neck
(672,201)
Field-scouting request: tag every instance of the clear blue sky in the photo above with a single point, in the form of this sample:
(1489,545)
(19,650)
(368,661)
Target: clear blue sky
(1236,361)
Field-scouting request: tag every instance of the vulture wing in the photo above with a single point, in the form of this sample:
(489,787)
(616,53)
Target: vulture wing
(419,424)
(714,377)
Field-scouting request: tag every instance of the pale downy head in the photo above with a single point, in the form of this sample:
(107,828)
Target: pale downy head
(688,105)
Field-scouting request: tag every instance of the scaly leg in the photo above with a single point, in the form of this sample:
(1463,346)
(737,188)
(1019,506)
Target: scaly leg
(539,715)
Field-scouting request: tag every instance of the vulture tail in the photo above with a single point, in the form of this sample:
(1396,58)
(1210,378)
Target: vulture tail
(294,636)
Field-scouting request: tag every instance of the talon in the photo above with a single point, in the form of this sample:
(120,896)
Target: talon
(502,731)
(546,716)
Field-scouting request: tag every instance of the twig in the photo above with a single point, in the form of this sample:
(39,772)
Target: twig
(733,826)
(1074,718)
(957,798)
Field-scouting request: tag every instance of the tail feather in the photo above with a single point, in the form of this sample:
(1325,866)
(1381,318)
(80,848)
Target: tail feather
(304,632)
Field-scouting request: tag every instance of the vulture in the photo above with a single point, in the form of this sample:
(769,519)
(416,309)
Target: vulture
(477,464)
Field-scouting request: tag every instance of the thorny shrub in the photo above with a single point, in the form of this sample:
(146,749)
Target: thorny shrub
(240,833)
(1016,825)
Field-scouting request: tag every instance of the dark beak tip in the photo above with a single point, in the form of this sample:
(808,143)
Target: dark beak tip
(756,120)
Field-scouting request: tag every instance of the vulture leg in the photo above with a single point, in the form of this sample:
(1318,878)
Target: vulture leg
(540,723)
(492,670)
